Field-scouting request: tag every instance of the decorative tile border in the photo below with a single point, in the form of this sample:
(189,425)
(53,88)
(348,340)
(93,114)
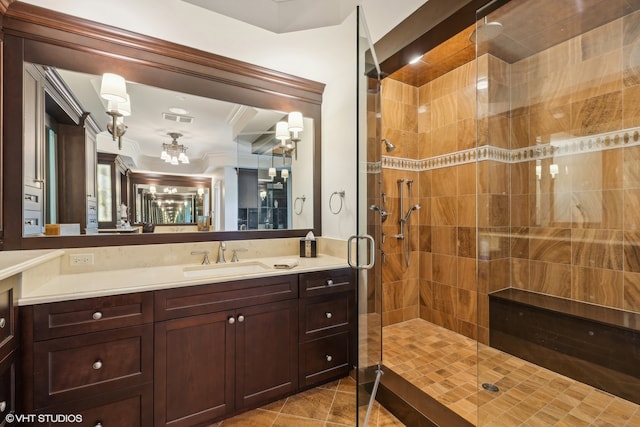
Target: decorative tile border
(570,146)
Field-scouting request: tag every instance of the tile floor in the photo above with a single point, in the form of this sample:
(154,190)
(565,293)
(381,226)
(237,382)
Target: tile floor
(330,405)
(445,365)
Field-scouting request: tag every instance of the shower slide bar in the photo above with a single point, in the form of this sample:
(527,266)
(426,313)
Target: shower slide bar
(406,219)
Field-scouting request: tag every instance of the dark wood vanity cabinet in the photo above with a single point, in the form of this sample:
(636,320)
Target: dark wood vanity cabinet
(327,325)
(8,352)
(224,348)
(185,356)
(90,357)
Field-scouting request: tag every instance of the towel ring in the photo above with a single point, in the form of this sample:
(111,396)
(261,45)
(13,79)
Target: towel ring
(338,193)
(295,204)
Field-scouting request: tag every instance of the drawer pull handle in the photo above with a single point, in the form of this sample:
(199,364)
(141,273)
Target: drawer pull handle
(328,314)
(329,282)
(3,405)
(232,320)
(97,364)
(328,357)
(97,315)
(240,318)
(3,322)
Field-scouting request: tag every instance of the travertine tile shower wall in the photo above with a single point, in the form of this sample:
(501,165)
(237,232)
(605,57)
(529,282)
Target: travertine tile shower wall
(433,120)
(574,235)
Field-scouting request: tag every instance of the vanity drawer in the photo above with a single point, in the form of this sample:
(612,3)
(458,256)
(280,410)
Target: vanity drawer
(74,367)
(6,319)
(129,408)
(67,318)
(324,359)
(326,282)
(8,385)
(202,299)
(325,314)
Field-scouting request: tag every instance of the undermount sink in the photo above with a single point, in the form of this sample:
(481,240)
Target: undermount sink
(227,269)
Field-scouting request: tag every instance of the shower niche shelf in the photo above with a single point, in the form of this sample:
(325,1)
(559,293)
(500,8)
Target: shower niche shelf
(592,344)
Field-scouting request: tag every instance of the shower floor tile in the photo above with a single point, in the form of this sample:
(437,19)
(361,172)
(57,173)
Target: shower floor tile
(329,405)
(449,367)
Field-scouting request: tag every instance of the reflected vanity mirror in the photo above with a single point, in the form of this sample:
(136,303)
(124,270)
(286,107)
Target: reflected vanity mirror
(192,156)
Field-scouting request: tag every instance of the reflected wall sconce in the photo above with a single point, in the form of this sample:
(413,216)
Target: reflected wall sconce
(114,89)
(263,195)
(288,132)
(174,153)
(284,173)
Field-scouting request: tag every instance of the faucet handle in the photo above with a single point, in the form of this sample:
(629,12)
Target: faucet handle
(234,258)
(206,256)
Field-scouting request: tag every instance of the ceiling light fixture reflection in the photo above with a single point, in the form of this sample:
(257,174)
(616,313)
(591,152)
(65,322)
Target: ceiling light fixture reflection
(174,153)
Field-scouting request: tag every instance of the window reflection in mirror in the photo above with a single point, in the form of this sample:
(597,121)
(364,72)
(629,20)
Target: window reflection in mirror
(233,146)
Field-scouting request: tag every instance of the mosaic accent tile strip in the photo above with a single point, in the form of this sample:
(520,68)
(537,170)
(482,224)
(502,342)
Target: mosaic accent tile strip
(565,147)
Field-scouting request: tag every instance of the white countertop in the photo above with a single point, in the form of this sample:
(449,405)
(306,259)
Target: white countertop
(14,262)
(65,287)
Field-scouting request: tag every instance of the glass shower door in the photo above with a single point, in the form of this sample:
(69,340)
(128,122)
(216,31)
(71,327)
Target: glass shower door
(367,249)
(558,91)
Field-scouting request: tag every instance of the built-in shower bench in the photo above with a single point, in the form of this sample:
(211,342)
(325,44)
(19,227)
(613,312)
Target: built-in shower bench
(595,345)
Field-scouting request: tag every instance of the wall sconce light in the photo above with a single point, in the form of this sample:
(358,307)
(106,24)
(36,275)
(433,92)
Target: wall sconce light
(200,192)
(114,89)
(290,130)
(284,173)
(263,195)
(272,173)
(553,170)
(539,172)
(174,153)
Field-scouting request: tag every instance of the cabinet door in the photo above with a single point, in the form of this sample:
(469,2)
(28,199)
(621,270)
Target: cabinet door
(194,365)
(267,352)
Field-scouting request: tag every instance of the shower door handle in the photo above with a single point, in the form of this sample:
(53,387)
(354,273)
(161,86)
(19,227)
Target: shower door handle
(371,246)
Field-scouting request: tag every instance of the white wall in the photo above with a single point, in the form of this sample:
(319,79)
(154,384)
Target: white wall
(326,55)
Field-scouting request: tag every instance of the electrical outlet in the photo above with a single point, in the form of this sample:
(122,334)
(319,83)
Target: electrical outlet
(81,259)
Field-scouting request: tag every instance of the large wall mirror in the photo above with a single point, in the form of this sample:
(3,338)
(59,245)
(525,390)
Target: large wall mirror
(237,180)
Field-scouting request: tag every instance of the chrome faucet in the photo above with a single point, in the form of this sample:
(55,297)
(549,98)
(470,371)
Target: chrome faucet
(221,250)
(206,256)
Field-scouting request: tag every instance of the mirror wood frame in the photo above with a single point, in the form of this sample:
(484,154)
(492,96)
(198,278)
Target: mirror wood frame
(34,34)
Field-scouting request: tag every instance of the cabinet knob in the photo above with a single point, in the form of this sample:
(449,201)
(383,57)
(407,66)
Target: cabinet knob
(232,320)
(329,282)
(240,318)
(3,405)
(3,322)
(98,425)
(328,357)
(328,314)
(97,315)
(97,364)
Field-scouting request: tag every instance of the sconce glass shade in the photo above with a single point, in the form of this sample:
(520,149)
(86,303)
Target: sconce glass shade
(200,191)
(124,108)
(295,122)
(284,173)
(282,131)
(272,172)
(113,88)
(152,189)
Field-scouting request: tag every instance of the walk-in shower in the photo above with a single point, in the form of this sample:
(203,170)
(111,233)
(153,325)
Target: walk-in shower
(517,263)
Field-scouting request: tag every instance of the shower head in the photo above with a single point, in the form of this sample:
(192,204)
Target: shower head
(388,145)
(486,31)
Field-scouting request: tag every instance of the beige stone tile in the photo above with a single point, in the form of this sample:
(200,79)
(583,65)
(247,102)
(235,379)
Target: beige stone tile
(314,403)
(257,418)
